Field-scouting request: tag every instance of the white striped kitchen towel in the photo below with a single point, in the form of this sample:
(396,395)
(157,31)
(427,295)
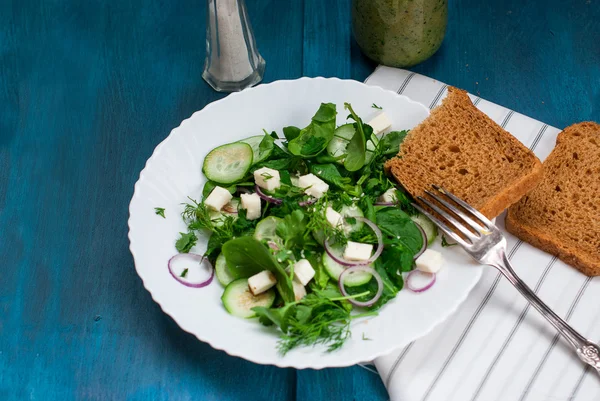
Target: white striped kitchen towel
(496,347)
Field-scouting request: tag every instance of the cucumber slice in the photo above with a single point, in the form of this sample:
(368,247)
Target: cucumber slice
(341,136)
(353,211)
(427,225)
(239,301)
(265,230)
(222,271)
(259,154)
(229,163)
(334,269)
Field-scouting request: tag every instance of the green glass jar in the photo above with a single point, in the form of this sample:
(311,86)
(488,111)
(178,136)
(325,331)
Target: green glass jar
(399,33)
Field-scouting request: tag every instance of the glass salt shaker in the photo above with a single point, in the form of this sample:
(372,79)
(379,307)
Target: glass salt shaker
(232,62)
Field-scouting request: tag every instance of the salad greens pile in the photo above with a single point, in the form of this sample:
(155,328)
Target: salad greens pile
(293,226)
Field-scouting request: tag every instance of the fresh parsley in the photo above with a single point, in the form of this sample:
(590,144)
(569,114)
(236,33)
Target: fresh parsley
(160,211)
(376,107)
(445,242)
(186,242)
(184,273)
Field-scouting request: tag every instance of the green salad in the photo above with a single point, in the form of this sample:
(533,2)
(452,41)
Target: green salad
(306,230)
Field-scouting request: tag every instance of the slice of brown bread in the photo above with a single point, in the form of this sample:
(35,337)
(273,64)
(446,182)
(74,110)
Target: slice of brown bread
(463,150)
(562,214)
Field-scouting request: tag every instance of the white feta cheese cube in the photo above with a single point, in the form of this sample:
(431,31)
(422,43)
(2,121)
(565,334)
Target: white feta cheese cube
(314,186)
(218,198)
(251,202)
(380,123)
(357,251)
(261,282)
(334,218)
(303,271)
(430,261)
(299,290)
(267,178)
(389,196)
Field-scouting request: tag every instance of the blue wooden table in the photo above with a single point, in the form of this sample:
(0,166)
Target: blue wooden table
(89,88)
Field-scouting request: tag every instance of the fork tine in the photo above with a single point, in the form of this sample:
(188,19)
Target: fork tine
(457,225)
(442,225)
(470,222)
(464,204)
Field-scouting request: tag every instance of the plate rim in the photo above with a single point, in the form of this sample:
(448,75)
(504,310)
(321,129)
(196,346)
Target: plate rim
(281,362)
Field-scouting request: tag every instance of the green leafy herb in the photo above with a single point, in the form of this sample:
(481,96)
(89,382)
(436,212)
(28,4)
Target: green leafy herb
(445,242)
(398,225)
(160,211)
(184,273)
(313,139)
(356,149)
(390,143)
(246,257)
(185,242)
(376,107)
(291,133)
(293,229)
(365,338)
(330,173)
(319,318)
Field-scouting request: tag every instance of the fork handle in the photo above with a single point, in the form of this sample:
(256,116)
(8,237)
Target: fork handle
(587,351)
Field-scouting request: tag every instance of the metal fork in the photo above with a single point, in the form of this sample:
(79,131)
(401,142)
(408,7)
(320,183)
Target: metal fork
(486,244)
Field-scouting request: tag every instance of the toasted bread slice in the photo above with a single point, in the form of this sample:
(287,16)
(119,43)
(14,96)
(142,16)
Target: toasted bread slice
(461,149)
(562,214)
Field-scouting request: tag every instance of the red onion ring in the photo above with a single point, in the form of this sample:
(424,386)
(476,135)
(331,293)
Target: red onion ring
(369,261)
(307,202)
(273,245)
(367,269)
(266,197)
(424,246)
(197,258)
(419,289)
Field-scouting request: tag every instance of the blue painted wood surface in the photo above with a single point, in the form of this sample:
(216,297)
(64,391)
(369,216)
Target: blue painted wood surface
(88,89)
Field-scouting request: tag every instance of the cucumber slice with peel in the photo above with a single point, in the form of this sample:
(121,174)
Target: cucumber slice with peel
(266,230)
(341,136)
(353,211)
(229,163)
(222,271)
(427,225)
(239,301)
(258,154)
(334,269)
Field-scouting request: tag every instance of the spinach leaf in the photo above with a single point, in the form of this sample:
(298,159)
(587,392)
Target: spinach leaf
(246,257)
(277,316)
(266,146)
(396,223)
(313,139)
(356,149)
(390,143)
(330,173)
(291,132)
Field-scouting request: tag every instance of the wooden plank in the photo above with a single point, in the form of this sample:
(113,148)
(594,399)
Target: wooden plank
(94,88)
(545,67)
(327,38)
(354,383)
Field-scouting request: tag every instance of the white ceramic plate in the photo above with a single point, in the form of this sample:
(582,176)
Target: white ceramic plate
(174,172)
